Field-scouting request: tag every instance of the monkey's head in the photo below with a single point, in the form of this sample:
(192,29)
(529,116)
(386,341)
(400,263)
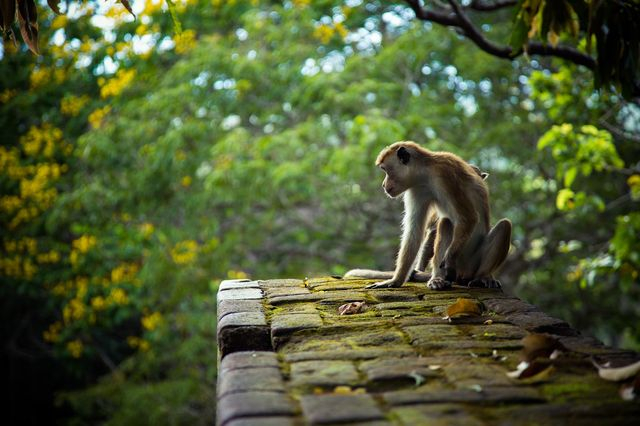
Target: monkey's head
(397,161)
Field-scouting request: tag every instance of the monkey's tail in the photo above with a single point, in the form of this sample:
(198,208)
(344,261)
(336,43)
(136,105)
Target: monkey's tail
(416,276)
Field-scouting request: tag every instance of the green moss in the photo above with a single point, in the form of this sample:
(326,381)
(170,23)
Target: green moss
(565,389)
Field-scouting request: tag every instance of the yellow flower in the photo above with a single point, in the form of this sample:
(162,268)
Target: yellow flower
(184,252)
(84,243)
(39,77)
(340,28)
(144,345)
(75,348)
(124,272)
(74,310)
(60,21)
(146,229)
(185,41)
(97,116)
(151,322)
(117,296)
(133,341)
(98,303)
(186,181)
(7,95)
(116,85)
(52,334)
(72,105)
(324,33)
(42,140)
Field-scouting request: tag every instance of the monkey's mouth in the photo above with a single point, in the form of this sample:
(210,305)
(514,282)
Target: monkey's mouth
(391,193)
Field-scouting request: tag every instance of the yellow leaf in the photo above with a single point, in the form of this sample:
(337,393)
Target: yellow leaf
(464,308)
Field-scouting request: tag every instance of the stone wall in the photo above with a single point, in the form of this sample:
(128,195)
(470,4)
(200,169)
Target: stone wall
(287,357)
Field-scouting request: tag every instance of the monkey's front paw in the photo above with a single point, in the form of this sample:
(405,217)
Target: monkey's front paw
(438,284)
(385,284)
(485,283)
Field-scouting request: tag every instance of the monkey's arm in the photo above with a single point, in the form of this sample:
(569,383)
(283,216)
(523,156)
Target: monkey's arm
(427,247)
(414,222)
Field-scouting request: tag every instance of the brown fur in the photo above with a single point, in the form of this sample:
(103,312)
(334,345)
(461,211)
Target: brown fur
(461,242)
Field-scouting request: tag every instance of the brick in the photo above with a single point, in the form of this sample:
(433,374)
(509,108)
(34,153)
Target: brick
(226,307)
(236,284)
(248,359)
(476,373)
(253,404)
(286,291)
(264,421)
(397,369)
(325,409)
(350,354)
(505,306)
(324,373)
(250,379)
(288,282)
(507,394)
(435,415)
(239,294)
(241,319)
(244,331)
(288,323)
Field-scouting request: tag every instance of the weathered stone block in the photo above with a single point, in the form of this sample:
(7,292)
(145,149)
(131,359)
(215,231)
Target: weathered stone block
(264,421)
(397,369)
(324,373)
(505,306)
(507,394)
(250,379)
(287,282)
(329,408)
(435,415)
(248,359)
(244,331)
(351,354)
(252,404)
(286,291)
(226,307)
(237,284)
(476,373)
(239,294)
(288,323)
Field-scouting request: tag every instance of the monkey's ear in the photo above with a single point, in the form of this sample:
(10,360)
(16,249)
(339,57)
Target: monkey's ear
(484,175)
(403,155)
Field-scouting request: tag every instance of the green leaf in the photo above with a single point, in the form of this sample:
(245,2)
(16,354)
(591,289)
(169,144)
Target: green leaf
(570,176)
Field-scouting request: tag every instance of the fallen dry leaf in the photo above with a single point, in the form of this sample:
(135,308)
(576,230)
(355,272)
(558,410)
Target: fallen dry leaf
(464,308)
(488,322)
(538,345)
(619,373)
(352,308)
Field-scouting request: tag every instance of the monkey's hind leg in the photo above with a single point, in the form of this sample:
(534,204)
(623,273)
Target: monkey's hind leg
(444,237)
(494,251)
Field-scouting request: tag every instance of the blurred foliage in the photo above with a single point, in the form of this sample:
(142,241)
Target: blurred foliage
(139,167)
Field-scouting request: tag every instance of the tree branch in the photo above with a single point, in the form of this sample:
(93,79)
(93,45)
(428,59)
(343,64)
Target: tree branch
(459,19)
(491,6)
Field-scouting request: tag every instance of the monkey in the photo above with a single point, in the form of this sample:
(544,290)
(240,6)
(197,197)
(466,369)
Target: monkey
(425,254)
(446,220)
